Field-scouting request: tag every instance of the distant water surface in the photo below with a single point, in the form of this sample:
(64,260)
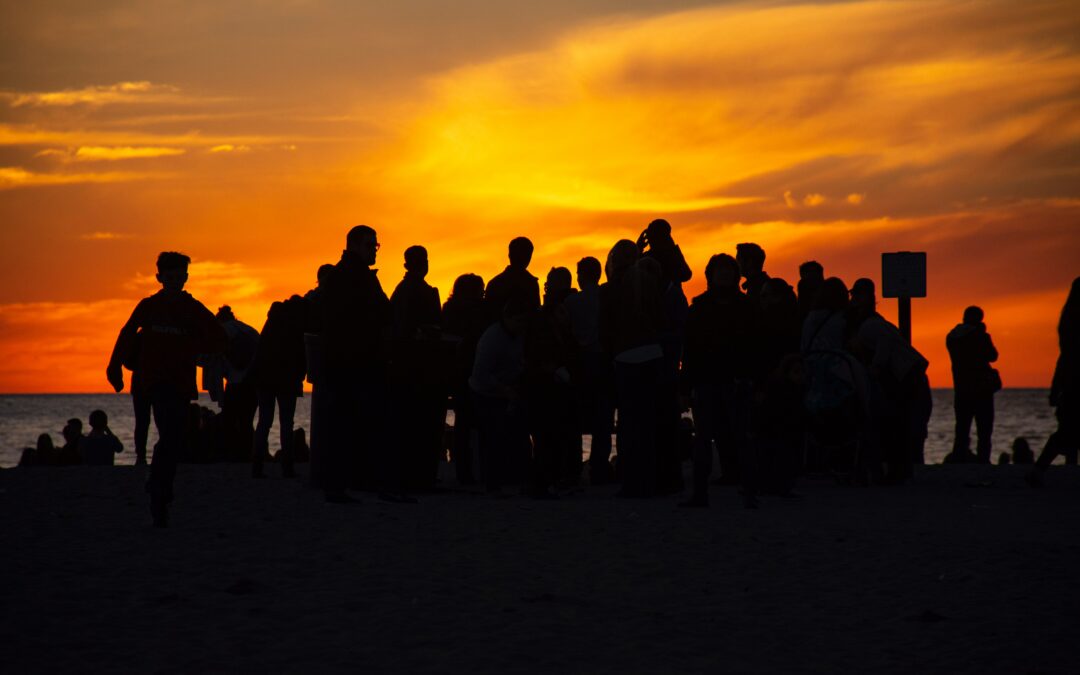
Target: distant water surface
(1019,412)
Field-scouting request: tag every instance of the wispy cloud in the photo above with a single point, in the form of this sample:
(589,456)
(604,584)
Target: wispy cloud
(97,153)
(229,147)
(121,92)
(104,236)
(12,177)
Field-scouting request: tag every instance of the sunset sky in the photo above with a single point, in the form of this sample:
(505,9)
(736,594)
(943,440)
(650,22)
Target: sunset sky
(252,135)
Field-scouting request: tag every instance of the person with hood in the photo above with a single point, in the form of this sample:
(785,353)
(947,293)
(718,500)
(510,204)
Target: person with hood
(974,383)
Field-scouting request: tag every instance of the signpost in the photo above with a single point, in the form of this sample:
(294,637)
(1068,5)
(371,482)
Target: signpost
(903,276)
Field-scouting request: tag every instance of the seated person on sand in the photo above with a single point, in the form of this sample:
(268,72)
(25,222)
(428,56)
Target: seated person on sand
(45,454)
(71,452)
(99,446)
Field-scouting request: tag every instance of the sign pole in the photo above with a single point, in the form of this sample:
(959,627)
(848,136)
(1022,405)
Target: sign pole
(904,317)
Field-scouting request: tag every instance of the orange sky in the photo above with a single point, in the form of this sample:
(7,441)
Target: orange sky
(252,135)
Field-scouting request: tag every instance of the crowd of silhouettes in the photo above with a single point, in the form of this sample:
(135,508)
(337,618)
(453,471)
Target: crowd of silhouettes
(778,380)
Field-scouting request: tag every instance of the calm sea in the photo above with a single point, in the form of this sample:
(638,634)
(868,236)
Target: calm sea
(1020,412)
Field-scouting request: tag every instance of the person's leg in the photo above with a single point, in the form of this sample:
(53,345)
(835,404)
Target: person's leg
(984,426)
(261,445)
(706,407)
(337,446)
(140,401)
(464,424)
(965,412)
(286,413)
(169,410)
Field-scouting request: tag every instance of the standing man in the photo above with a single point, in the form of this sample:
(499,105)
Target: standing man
(514,282)
(172,329)
(419,373)
(356,320)
(974,382)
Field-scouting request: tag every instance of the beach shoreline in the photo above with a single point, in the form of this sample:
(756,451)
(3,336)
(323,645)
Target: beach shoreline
(964,570)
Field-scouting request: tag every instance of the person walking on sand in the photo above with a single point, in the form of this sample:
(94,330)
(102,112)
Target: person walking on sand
(173,328)
(1064,391)
(974,382)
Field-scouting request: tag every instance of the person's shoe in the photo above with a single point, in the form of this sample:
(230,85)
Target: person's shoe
(140,460)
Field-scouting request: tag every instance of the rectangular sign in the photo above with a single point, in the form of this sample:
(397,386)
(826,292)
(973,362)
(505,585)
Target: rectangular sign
(903,274)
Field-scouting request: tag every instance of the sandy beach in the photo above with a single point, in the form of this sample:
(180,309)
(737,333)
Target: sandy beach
(965,570)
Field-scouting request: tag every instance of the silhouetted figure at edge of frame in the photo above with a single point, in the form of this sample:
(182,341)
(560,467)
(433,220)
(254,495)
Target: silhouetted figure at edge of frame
(418,373)
(595,388)
(1064,391)
(464,320)
(278,375)
(175,328)
(44,453)
(514,282)
(974,383)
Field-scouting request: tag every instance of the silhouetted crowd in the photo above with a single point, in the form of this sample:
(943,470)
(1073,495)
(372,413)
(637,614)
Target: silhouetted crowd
(779,381)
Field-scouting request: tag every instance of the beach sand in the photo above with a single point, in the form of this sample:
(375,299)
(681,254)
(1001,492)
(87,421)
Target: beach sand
(965,570)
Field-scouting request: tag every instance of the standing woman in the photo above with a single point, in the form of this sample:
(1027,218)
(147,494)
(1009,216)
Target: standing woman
(1064,391)
(278,372)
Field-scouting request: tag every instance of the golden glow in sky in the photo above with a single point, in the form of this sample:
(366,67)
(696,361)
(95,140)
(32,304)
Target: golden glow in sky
(252,136)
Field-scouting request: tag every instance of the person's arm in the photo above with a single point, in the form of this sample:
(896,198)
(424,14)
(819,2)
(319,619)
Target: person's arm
(125,341)
(991,350)
(680,269)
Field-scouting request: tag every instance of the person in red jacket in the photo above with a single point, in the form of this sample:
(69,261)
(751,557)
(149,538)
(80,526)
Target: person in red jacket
(172,328)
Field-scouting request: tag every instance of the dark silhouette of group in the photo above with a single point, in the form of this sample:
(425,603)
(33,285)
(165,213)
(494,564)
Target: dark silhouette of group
(779,381)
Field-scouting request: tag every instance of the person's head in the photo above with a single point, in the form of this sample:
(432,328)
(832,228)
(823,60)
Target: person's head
(558,279)
(833,296)
(521,251)
(722,272)
(778,298)
(172,270)
(416,261)
(45,443)
(468,287)
(364,243)
(751,258)
(73,429)
(658,232)
(864,295)
(98,420)
(973,315)
(515,316)
(588,272)
(811,271)
(225,313)
(324,273)
(619,259)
